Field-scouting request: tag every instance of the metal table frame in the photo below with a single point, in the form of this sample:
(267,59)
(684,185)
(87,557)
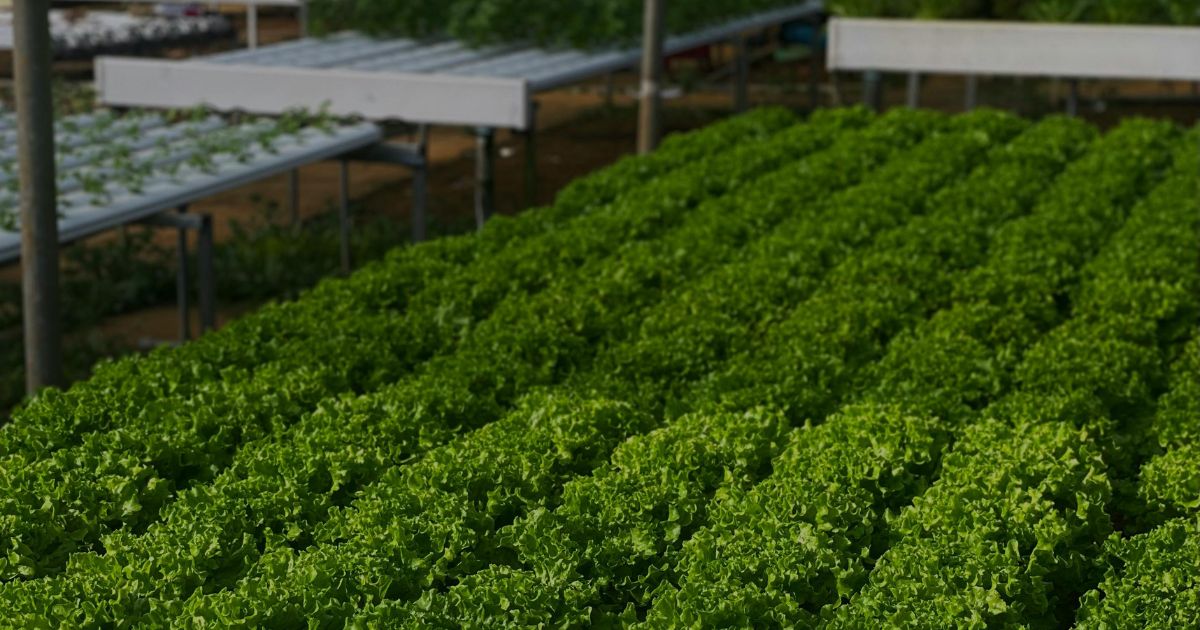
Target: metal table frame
(440,82)
(163,200)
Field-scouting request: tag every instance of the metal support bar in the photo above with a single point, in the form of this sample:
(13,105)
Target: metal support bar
(649,122)
(205,277)
(39,201)
(252,24)
(182,281)
(415,157)
(181,221)
(344,216)
(421,187)
(814,75)
(912,97)
(873,89)
(412,156)
(531,165)
(741,74)
(294,196)
(1073,97)
(485,180)
(971,95)
(302,10)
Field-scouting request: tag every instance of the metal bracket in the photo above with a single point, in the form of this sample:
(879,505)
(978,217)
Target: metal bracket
(531,160)
(741,74)
(344,225)
(414,156)
(410,155)
(202,224)
(485,174)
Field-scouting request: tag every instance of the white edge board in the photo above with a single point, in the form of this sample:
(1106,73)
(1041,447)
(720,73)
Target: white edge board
(90,221)
(418,98)
(1015,48)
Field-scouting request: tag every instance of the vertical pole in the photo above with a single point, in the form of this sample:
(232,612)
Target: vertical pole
(39,195)
(873,90)
(971,97)
(205,277)
(182,281)
(303,18)
(610,89)
(913,92)
(294,197)
(1073,97)
(814,71)
(421,186)
(531,164)
(344,216)
(741,74)
(485,180)
(252,24)
(649,123)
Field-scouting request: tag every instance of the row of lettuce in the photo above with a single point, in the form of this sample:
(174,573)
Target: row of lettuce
(852,371)
(450,388)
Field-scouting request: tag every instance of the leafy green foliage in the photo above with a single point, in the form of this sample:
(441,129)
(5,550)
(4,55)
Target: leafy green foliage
(1008,518)
(851,371)
(1153,582)
(281,386)
(1170,482)
(1012,532)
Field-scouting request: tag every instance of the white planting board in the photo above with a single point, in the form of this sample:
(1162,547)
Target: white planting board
(1015,49)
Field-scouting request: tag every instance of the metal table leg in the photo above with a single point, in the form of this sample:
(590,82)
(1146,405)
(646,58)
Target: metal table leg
(873,89)
(182,281)
(206,285)
(531,169)
(344,216)
(205,276)
(913,91)
(421,187)
(741,74)
(485,181)
(814,73)
(294,197)
(252,24)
